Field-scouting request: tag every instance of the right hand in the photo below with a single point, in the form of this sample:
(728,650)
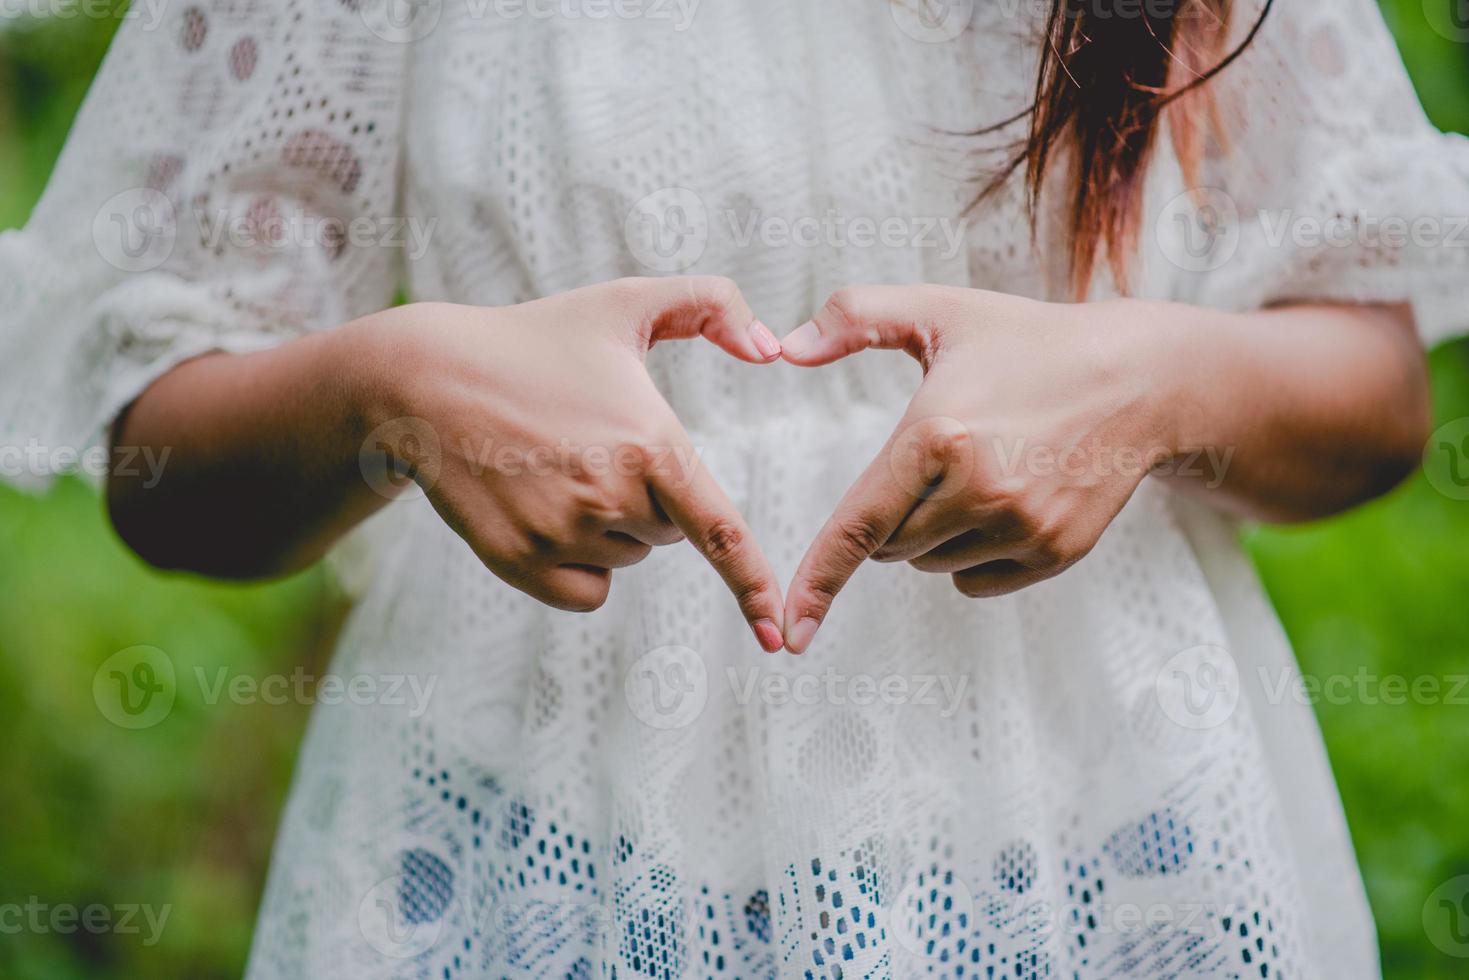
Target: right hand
(540,439)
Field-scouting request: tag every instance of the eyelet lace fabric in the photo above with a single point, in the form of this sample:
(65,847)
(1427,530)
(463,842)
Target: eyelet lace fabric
(1094,778)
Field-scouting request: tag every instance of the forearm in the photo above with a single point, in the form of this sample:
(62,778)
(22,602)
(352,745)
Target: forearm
(262,472)
(1294,413)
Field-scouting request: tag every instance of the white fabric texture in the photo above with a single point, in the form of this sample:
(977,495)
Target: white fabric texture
(604,794)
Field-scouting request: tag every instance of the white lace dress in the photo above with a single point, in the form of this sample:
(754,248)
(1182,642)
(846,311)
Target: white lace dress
(1097,777)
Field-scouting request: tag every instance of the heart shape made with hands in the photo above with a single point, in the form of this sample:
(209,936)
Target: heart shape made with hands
(571,371)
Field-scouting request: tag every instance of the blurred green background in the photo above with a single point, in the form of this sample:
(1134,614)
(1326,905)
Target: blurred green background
(182,814)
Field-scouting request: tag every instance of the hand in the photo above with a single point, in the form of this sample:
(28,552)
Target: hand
(1034,424)
(541,440)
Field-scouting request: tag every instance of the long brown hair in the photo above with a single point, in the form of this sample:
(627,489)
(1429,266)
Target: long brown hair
(1106,76)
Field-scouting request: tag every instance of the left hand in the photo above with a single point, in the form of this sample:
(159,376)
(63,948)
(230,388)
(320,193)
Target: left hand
(1034,424)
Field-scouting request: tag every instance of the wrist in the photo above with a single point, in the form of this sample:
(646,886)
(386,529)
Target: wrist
(1178,350)
(372,360)
(374,356)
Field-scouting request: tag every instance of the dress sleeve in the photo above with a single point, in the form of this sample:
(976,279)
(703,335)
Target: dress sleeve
(1327,182)
(230,182)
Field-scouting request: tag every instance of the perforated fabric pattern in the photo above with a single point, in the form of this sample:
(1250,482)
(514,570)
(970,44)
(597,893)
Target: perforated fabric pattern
(617,794)
(202,202)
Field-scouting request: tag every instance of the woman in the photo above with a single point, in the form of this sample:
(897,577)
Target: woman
(995,769)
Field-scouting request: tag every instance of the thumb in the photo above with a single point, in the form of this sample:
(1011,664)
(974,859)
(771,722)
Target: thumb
(859,317)
(683,307)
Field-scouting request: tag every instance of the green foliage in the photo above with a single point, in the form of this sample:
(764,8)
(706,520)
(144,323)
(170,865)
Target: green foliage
(177,815)
(1382,591)
(181,814)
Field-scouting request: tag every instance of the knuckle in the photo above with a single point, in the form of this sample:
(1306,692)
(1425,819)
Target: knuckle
(646,455)
(972,588)
(597,503)
(926,563)
(641,453)
(1006,494)
(817,596)
(845,306)
(592,603)
(1048,538)
(856,537)
(1058,549)
(1013,513)
(719,294)
(593,521)
(661,533)
(584,602)
(979,509)
(1049,551)
(518,557)
(752,596)
(724,540)
(649,439)
(547,541)
(578,597)
(554,534)
(945,439)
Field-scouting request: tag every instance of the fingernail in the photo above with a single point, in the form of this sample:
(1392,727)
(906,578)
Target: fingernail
(765,341)
(802,340)
(801,634)
(768,635)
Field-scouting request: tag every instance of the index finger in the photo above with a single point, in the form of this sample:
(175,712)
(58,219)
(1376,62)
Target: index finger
(924,455)
(874,507)
(698,506)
